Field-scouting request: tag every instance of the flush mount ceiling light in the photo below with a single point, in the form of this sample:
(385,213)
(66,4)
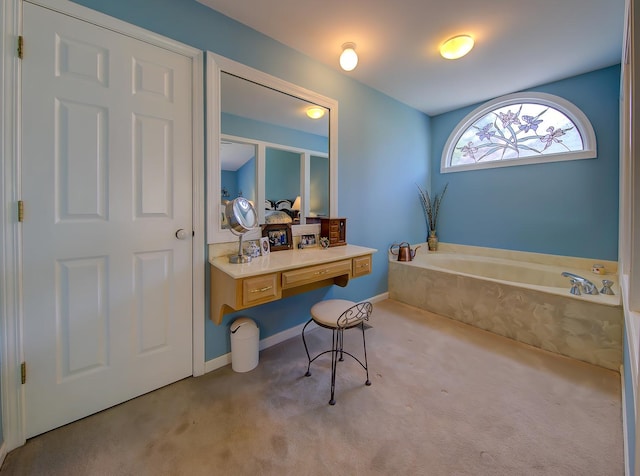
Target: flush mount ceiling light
(456,47)
(315,112)
(349,57)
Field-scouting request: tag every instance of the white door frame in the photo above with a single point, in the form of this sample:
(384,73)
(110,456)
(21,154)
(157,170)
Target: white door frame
(11,351)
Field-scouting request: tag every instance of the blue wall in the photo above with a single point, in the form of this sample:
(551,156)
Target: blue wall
(229,181)
(282,175)
(564,208)
(383,147)
(242,182)
(247,180)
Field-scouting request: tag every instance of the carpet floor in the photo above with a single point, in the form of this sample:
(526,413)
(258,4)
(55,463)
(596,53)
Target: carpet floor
(446,399)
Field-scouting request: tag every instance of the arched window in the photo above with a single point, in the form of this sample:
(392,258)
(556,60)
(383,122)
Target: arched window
(518,129)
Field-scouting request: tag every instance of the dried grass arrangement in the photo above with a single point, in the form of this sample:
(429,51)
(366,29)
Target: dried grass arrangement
(431,207)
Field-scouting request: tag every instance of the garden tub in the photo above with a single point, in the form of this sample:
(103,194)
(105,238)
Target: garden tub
(519,295)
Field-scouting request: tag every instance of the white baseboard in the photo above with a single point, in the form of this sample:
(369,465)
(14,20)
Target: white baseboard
(284,335)
(270,341)
(379,297)
(217,363)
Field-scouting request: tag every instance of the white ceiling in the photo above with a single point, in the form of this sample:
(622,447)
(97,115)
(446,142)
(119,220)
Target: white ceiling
(519,43)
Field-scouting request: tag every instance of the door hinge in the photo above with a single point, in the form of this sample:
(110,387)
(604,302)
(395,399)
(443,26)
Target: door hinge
(23,372)
(20,211)
(20,47)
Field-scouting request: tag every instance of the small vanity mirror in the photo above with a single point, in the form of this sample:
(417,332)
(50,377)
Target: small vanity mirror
(241,218)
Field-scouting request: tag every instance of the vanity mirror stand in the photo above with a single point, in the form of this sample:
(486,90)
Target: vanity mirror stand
(241,217)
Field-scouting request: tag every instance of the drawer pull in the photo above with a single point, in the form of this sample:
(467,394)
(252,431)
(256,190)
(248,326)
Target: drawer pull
(324,271)
(261,290)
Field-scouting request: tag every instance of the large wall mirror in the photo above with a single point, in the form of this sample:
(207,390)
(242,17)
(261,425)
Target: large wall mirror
(262,145)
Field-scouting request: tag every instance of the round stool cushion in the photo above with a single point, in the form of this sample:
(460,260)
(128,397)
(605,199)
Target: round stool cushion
(327,312)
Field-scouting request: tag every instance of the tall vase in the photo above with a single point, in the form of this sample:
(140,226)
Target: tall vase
(432,240)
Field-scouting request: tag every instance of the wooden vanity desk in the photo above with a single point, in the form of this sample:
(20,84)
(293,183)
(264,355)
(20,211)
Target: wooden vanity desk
(282,274)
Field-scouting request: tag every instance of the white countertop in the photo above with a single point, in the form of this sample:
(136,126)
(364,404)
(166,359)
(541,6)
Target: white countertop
(288,259)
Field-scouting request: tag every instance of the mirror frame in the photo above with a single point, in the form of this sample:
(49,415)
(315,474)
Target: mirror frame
(217,64)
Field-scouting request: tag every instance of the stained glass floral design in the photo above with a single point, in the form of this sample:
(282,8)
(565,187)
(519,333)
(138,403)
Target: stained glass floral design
(517,131)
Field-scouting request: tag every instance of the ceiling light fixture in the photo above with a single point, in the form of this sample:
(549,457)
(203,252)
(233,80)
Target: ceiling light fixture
(349,57)
(456,47)
(315,112)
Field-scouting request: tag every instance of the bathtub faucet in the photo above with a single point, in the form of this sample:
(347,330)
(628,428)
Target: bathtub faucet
(578,282)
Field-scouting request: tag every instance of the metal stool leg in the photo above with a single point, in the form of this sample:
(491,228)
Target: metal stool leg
(366,363)
(304,341)
(335,348)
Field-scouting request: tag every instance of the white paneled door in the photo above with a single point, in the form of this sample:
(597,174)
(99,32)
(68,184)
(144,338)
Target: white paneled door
(106,185)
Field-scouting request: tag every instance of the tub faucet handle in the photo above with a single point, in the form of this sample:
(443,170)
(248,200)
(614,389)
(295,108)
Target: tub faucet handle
(606,287)
(589,288)
(575,287)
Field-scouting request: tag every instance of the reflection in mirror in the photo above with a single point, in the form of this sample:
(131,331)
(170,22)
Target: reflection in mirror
(282,184)
(238,173)
(270,116)
(319,187)
(258,113)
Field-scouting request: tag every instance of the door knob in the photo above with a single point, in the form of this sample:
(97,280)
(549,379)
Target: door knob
(181,234)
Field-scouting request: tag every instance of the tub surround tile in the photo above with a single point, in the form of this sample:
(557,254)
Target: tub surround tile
(576,328)
(545,278)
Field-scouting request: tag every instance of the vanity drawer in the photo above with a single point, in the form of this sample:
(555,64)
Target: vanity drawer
(260,289)
(312,274)
(361,266)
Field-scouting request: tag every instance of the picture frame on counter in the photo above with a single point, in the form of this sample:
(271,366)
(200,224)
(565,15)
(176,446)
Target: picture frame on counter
(279,236)
(265,249)
(308,241)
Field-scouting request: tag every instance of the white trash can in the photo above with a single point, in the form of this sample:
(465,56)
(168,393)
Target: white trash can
(245,337)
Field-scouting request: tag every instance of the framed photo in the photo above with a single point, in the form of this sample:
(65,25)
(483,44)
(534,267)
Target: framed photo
(265,249)
(308,241)
(279,236)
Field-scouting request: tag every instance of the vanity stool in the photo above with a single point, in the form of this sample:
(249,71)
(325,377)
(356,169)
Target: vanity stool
(338,315)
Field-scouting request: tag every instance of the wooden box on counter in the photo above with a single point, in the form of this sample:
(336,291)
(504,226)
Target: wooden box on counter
(335,229)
